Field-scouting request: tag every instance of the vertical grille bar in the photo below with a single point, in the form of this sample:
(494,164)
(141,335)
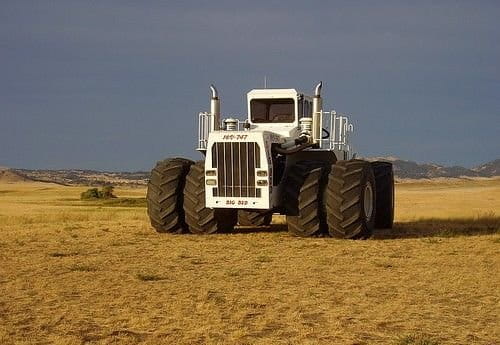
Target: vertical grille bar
(241,173)
(224,168)
(257,163)
(228,162)
(220,175)
(214,165)
(214,156)
(236,169)
(244,170)
(257,156)
(251,170)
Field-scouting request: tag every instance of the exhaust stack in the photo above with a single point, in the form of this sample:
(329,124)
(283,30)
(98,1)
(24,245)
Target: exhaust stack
(214,109)
(317,114)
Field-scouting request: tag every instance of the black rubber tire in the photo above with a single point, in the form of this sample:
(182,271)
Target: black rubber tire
(303,184)
(200,219)
(344,198)
(164,195)
(384,185)
(254,218)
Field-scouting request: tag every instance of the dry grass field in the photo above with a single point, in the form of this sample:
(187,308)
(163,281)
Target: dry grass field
(74,272)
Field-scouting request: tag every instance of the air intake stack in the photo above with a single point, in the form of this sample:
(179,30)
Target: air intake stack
(214,109)
(317,114)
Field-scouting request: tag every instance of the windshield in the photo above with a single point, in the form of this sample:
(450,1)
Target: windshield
(272,110)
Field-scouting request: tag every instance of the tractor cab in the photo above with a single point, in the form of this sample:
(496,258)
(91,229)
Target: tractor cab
(277,110)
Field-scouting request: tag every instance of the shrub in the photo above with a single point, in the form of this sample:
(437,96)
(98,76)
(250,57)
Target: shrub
(91,193)
(107,192)
(94,193)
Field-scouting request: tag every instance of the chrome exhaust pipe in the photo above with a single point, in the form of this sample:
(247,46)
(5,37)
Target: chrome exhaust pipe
(317,90)
(214,109)
(317,114)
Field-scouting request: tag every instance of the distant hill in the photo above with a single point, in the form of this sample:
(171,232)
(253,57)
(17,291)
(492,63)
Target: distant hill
(403,169)
(87,177)
(414,170)
(490,169)
(11,176)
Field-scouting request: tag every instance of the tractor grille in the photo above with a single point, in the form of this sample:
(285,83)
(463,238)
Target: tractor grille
(236,163)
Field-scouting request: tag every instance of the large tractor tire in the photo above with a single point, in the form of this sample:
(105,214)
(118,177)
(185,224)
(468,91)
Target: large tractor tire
(164,195)
(200,219)
(303,184)
(254,218)
(384,186)
(350,200)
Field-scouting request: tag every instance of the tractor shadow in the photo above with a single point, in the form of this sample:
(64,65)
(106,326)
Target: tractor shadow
(263,229)
(421,228)
(440,228)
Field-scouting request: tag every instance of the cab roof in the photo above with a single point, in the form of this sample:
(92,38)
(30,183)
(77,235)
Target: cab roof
(273,93)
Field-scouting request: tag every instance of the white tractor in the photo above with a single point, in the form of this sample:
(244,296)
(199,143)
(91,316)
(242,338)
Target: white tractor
(288,157)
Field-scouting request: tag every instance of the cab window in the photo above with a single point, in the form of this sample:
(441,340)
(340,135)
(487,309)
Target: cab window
(272,110)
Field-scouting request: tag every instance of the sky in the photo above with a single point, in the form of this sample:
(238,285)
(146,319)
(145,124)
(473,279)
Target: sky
(117,85)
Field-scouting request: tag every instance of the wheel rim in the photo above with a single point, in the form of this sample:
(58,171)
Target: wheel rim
(368,201)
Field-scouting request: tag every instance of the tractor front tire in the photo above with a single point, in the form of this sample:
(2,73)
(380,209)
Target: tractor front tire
(199,218)
(350,200)
(303,184)
(254,218)
(384,185)
(164,195)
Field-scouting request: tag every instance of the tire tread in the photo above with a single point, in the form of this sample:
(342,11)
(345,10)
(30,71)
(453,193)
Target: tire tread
(343,198)
(199,218)
(164,195)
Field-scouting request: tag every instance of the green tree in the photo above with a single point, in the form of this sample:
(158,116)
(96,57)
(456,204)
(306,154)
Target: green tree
(107,192)
(94,193)
(91,193)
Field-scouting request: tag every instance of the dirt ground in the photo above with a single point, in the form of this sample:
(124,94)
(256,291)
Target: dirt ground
(74,272)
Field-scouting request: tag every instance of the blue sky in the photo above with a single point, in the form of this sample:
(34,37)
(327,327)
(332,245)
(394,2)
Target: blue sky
(117,85)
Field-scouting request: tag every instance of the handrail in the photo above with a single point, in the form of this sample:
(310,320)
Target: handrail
(338,125)
(339,128)
(204,128)
(204,124)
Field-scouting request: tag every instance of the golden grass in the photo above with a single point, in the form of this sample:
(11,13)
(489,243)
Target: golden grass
(80,273)
(448,199)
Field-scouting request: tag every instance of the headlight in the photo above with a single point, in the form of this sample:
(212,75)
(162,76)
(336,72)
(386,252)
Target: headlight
(211,182)
(210,173)
(261,183)
(262,173)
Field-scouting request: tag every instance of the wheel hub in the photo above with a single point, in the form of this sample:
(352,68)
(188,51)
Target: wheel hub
(368,201)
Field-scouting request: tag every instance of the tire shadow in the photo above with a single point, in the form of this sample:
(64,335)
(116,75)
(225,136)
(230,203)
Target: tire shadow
(412,229)
(265,229)
(440,228)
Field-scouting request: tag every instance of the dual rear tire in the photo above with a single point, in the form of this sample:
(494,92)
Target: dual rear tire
(345,200)
(384,182)
(302,199)
(164,196)
(350,200)
(199,218)
(176,200)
